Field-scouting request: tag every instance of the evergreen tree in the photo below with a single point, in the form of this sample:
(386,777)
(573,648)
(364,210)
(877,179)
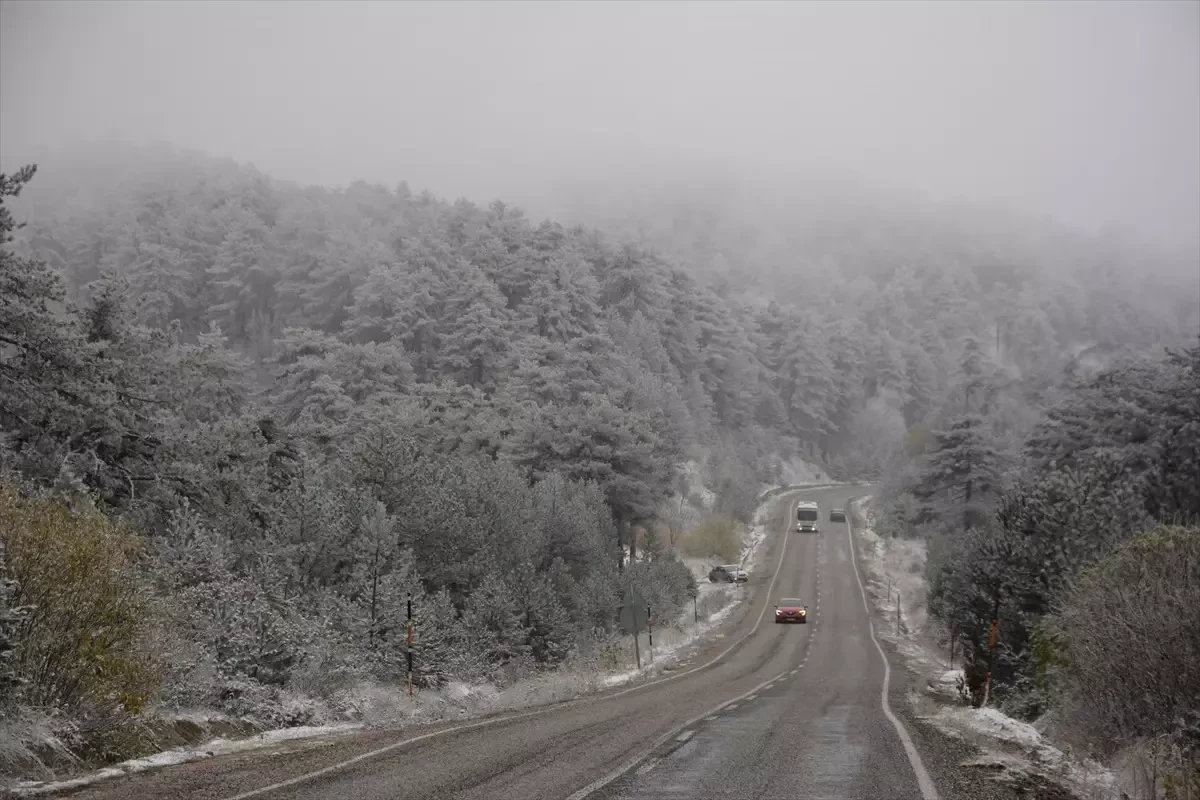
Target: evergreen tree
(962,474)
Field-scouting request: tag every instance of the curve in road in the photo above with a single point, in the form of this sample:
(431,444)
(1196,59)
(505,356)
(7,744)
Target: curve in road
(773,712)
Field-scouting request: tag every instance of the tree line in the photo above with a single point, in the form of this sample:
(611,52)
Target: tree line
(279,410)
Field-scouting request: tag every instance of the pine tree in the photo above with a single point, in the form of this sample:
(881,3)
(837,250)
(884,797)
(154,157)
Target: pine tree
(474,337)
(962,474)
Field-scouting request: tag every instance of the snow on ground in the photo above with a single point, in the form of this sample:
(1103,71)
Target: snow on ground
(894,570)
(375,705)
(798,472)
(717,601)
(182,755)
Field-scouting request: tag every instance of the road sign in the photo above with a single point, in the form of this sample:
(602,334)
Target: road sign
(633,612)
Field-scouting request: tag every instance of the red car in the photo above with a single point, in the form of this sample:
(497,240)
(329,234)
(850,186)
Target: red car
(791,610)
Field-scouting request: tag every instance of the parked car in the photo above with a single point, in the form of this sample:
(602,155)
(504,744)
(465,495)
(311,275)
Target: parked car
(728,573)
(837,515)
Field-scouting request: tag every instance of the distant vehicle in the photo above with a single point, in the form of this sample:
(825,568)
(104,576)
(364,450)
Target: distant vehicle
(807,514)
(791,610)
(728,573)
(837,515)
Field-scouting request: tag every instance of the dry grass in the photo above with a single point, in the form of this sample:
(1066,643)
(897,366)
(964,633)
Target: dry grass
(716,537)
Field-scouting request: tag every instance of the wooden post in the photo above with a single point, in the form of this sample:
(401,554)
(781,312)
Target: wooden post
(650,632)
(408,650)
(951,644)
(993,638)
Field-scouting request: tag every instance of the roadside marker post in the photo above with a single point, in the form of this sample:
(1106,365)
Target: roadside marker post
(408,649)
(650,631)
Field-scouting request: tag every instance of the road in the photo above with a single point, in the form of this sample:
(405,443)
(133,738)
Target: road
(786,711)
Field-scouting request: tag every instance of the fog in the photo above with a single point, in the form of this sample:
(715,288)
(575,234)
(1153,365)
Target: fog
(1089,112)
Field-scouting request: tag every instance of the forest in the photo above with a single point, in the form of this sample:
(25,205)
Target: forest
(244,422)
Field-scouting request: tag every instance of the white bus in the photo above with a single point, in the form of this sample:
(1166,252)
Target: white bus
(807,515)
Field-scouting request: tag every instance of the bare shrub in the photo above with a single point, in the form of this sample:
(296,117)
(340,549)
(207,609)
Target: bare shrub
(81,646)
(717,536)
(1129,636)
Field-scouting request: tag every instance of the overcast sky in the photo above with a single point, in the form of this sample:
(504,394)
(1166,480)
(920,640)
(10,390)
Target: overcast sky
(1087,111)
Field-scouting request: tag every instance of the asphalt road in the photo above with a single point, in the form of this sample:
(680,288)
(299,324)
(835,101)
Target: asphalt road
(789,711)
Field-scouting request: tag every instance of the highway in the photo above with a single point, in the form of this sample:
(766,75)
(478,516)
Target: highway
(767,711)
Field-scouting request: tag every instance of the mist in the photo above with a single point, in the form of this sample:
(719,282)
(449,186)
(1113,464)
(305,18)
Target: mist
(1086,112)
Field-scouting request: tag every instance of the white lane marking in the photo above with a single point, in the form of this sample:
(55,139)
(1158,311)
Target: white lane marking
(928,792)
(683,737)
(731,707)
(649,765)
(308,776)
(710,717)
(752,697)
(621,770)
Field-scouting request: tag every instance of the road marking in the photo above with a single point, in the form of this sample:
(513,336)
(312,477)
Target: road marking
(928,791)
(752,697)
(710,717)
(683,737)
(649,765)
(730,707)
(621,770)
(308,776)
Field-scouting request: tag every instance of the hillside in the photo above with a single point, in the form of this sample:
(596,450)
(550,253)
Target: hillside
(294,408)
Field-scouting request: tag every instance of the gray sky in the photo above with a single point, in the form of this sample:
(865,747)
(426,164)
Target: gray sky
(1087,111)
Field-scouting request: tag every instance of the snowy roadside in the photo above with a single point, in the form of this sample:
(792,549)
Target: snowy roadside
(714,605)
(1011,751)
(378,706)
(183,755)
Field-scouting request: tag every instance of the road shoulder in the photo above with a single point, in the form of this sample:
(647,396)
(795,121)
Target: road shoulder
(964,762)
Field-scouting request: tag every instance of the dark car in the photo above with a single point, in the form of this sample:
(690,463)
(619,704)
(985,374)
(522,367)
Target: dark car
(728,573)
(791,610)
(837,515)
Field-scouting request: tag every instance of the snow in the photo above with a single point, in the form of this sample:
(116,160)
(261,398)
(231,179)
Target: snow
(374,704)
(1009,747)
(798,472)
(753,538)
(183,755)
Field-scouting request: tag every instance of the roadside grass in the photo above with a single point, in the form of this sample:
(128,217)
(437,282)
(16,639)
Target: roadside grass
(715,537)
